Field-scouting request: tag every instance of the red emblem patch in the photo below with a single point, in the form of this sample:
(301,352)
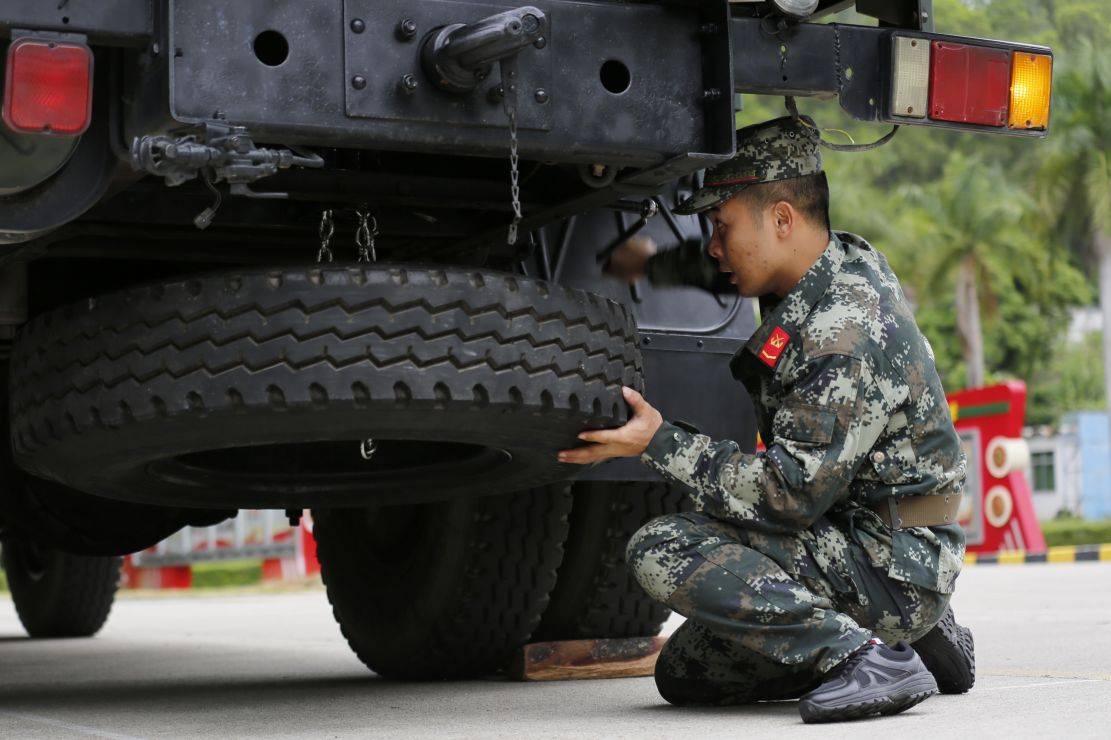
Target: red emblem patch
(773,348)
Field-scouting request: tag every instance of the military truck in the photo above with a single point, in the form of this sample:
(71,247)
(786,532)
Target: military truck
(344,256)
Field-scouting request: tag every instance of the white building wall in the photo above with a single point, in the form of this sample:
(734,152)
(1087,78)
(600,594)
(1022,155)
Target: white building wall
(1066,475)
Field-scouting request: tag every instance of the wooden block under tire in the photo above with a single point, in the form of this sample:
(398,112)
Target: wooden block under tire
(565,659)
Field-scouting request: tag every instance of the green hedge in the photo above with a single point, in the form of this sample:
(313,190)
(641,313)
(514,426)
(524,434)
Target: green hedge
(222,573)
(209,575)
(1076,532)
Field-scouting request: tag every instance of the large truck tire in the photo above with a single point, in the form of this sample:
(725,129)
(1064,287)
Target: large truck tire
(57,594)
(442,590)
(595,595)
(258,388)
(61,518)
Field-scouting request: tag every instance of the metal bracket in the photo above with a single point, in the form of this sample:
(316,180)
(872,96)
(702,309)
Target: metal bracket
(229,151)
(457,57)
(220,152)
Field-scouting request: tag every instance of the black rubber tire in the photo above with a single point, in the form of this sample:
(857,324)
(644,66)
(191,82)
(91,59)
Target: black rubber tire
(57,594)
(595,595)
(58,517)
(443,590)
(253,388)
(949,653)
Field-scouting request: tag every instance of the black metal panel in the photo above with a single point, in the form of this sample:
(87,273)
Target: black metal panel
(660,116)
(382,58)
(683,310)
(105,22)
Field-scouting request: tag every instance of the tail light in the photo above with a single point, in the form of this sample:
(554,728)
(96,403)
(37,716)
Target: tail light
(48,87)
(969,84)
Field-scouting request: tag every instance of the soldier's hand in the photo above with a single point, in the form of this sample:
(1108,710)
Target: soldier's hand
(627,262)
(627,441)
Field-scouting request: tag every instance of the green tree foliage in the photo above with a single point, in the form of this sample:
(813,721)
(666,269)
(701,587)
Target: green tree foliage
(1071,380)
(1020,211)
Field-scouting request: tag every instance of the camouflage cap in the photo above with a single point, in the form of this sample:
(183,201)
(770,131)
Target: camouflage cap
(773,150)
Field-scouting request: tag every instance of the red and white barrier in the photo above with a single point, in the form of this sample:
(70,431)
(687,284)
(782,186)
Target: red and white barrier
(288,553)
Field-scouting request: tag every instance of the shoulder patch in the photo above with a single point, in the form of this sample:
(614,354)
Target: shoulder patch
(773,348)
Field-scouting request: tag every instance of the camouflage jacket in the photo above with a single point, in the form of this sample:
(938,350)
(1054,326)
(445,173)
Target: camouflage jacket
(850,406)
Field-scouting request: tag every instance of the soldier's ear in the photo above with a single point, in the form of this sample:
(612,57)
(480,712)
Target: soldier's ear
(783,216)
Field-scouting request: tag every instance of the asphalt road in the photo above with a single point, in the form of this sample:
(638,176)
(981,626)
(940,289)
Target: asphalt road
(274,664)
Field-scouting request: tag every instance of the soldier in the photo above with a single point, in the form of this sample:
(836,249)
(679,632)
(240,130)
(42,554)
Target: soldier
(804,570)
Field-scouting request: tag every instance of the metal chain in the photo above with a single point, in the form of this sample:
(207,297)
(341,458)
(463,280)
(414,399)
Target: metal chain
(514,178)
(367,448)
(364,237)
(509,103)
(327,228)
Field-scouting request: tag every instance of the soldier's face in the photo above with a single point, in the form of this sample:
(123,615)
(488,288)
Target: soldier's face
(744,244)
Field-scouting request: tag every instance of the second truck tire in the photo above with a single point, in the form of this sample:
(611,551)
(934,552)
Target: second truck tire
(333,386)
(57,594)
(595,595)
(442,590)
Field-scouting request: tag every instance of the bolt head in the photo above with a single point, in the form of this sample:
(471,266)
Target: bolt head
(541,96)
(540,42)
(407,29)
(358,25)
(358,82)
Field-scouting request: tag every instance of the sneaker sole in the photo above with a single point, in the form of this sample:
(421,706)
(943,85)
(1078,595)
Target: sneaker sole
(950,654)
(899,700)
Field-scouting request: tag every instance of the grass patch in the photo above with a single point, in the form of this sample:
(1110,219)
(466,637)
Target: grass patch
(1076,531)
(215,574)
(222,573)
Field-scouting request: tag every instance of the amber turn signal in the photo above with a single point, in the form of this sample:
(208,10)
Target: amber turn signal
(1031,82)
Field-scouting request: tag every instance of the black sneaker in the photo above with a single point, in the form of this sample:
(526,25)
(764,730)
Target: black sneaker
(949,653)
(875,680)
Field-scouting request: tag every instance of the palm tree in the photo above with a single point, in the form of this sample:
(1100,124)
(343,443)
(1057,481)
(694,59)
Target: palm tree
(971,225)
(1075,181)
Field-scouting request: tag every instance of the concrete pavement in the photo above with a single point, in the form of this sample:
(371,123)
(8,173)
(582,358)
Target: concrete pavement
(269,665)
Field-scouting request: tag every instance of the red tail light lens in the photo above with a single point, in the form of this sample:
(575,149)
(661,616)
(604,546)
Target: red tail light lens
(969,84)
(48,87)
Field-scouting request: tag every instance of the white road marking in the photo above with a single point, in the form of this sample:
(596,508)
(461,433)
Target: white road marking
(1032,685)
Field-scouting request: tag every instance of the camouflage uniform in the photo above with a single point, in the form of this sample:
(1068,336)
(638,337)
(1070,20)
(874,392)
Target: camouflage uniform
(784,569)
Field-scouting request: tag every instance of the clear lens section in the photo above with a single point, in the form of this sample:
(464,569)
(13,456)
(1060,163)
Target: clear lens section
(912,77)
(797,8)
(1031,81)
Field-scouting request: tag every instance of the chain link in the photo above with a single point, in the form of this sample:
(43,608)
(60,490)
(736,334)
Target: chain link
(514,178)
(364,237)
(509,103)
(327,229)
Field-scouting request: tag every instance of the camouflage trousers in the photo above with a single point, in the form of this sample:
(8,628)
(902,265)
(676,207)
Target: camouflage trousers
(763,621)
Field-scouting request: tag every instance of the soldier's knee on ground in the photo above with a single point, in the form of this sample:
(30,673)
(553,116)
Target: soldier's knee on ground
(673,687)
